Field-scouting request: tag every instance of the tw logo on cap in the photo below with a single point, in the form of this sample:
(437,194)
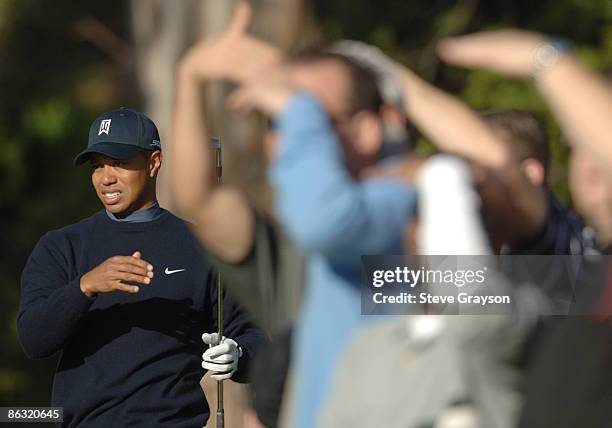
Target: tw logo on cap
(104,127)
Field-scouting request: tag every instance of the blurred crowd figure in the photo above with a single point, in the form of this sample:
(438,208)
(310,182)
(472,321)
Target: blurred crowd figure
(347,183)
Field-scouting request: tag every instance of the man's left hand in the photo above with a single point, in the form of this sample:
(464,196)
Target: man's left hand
(221,357)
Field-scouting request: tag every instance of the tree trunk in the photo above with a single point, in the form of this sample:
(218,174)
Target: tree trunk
(162,31)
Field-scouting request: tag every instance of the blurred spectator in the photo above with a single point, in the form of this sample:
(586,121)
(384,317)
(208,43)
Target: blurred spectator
(519,211)
(592,195)
(257,262)
(268,382)
(570,376)
(440,371)
(581,100)
(324,209)
(562,232)
(527,140)
(334,223)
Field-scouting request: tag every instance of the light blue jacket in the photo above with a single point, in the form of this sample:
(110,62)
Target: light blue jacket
(335,219)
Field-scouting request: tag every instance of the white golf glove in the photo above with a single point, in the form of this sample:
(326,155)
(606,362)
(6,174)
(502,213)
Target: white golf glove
(220,358)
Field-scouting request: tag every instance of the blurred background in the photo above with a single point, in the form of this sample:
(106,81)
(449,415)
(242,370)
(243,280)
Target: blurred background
(63,62)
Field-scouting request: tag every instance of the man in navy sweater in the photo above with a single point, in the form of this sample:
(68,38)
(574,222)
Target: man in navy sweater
(125,295)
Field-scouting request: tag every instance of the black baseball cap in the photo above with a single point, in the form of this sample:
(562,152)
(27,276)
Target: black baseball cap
(120,134)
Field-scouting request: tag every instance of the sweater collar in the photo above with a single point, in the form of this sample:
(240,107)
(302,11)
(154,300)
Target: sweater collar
(140,216)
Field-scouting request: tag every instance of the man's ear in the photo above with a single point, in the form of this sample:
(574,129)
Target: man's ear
(367,133)
(155,161)
(534,170)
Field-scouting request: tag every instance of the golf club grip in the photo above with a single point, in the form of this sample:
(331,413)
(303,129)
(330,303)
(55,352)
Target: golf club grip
(220,419)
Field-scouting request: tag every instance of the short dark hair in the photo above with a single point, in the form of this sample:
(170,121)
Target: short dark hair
(524,134)
(364,93)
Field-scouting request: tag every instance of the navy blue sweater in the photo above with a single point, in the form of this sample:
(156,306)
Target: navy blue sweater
(127,359)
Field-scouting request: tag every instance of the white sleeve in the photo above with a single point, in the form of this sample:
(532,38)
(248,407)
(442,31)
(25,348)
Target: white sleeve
(449,209)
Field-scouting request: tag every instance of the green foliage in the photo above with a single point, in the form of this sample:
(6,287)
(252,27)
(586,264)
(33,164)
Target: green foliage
(48,121)
(43,124)
(408,32)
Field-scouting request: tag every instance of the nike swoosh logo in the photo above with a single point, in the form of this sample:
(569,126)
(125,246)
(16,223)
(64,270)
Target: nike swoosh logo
(170,272)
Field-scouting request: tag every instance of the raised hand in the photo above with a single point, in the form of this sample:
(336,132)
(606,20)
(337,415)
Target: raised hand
(233,55)
(111,275)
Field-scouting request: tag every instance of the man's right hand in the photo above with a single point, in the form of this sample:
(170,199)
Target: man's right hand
(110,274)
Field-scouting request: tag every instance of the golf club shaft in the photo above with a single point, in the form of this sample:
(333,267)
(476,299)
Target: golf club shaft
(220,408)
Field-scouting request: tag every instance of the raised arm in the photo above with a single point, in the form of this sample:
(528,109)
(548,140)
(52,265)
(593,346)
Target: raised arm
(450,124)
(224,221)
(580,99)
(455,128)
